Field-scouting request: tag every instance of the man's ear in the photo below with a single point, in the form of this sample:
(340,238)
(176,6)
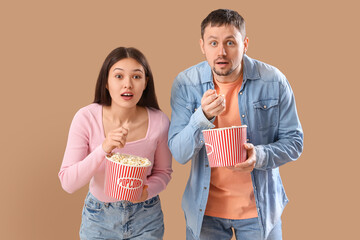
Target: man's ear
(246,44)
(201,42)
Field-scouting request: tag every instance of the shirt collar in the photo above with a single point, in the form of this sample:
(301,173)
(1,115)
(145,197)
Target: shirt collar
(206,73)
(251,71)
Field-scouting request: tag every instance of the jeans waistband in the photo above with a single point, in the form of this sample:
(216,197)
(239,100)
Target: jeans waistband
(124,203)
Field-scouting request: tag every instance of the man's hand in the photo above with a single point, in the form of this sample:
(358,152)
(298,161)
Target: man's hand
(212,104)
(249,164)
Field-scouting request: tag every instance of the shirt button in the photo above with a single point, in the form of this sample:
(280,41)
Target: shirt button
(201,141)
(240,93)
(243,115)
(195,109)
(265,106)
(205,188)
(200,210)
(206,165)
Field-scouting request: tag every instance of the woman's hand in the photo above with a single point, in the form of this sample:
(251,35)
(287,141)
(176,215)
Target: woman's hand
(144,195)
(115,139)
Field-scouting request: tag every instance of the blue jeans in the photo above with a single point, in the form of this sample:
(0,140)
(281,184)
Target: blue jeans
(122,220)
(214,228)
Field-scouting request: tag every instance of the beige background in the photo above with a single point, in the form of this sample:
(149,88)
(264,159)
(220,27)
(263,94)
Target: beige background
(51,53)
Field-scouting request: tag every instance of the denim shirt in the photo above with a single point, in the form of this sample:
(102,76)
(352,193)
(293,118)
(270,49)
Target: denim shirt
(267,107)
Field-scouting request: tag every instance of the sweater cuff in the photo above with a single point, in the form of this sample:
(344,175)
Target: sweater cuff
(152,192)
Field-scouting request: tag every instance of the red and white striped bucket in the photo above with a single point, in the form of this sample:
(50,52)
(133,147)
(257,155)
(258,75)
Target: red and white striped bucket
(124,182)
(225,146)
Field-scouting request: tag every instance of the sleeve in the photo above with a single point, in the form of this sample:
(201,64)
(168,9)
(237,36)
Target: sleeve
(79,166)
(289,145)
(186,125)
(161,171)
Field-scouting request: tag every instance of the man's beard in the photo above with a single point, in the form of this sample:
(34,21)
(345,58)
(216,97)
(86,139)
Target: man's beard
(223,74)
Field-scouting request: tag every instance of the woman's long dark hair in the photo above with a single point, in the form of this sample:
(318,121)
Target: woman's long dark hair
(102,95)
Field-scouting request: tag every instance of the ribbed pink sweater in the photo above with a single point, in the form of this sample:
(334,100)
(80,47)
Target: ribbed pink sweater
(84,158)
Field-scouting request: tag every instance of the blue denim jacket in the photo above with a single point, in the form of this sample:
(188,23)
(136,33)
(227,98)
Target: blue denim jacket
(267,107)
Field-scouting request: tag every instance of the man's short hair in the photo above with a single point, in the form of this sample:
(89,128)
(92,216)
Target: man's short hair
(221,17)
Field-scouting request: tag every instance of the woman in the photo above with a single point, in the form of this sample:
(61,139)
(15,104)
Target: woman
(125,117)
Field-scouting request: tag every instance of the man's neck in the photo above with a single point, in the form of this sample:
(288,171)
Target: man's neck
(234,76)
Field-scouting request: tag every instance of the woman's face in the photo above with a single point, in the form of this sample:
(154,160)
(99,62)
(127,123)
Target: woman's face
(126,82)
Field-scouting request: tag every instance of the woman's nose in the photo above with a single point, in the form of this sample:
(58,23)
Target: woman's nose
(128,82)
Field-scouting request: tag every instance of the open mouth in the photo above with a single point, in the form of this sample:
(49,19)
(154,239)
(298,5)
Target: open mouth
(127,96)
(222,62)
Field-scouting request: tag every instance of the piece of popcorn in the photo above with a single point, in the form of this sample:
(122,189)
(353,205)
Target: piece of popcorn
(129,160)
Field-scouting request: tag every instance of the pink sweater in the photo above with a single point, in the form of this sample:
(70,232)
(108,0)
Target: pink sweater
(84,158)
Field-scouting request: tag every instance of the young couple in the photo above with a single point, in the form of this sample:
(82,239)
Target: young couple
(246,199)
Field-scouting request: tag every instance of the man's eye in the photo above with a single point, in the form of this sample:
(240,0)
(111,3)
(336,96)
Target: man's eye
(213,44)
(230,43)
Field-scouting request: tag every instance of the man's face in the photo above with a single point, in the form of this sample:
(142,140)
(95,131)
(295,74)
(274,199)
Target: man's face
(224,49)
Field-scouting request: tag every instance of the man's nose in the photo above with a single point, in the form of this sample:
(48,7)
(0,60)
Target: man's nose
(221,50)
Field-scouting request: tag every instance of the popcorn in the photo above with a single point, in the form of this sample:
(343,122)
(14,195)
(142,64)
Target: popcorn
(224,100)
(129,160)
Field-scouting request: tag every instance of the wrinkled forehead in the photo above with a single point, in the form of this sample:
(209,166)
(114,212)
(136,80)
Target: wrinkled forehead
(221,32)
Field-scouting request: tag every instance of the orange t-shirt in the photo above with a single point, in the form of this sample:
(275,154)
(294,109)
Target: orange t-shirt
(231,193)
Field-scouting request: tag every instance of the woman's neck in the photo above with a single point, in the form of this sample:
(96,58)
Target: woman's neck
(119,115)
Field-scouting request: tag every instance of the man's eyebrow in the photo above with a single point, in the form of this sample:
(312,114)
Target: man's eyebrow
(212,37)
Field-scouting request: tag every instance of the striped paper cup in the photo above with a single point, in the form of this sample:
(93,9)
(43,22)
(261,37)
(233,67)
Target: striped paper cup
(124,182)
(225,146)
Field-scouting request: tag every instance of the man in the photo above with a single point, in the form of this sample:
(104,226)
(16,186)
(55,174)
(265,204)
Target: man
(232,89)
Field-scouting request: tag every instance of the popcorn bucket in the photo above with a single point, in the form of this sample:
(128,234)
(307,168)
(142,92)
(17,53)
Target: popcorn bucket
(225,146)
(122,181)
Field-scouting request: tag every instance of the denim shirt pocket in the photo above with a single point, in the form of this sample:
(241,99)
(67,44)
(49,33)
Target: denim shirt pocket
(266,113)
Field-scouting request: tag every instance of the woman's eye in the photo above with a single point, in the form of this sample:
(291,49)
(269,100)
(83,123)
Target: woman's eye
(118,76)
(137,77)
